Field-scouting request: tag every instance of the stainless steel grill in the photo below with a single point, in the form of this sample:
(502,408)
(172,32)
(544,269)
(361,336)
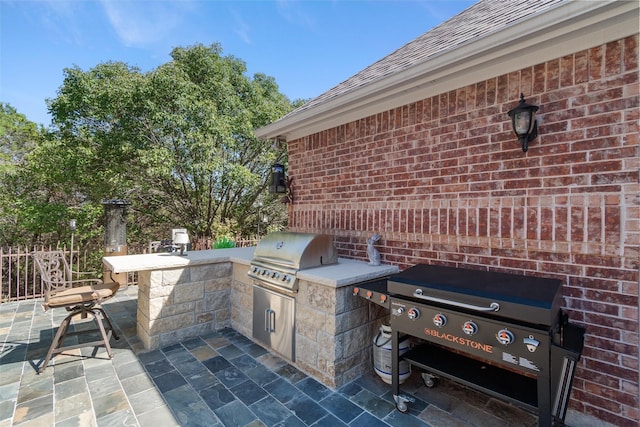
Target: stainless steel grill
(279,256)
(276,262)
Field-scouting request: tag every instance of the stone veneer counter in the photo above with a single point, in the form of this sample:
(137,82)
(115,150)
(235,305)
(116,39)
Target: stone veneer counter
(180,297)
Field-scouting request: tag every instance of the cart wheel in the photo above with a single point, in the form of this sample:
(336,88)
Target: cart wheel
(429,380)
(402,406)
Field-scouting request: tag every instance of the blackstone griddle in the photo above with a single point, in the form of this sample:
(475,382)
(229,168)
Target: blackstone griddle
(502,334)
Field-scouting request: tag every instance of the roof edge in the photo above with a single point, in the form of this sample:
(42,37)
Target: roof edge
(566,28)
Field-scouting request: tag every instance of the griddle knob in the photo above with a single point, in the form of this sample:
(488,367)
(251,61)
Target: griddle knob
(505,336)
(439,320)
(413,313)
(470,328)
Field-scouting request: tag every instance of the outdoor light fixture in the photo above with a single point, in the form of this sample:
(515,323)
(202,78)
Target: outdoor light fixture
(523,120)
(280,184)
(278,180)
(181,239)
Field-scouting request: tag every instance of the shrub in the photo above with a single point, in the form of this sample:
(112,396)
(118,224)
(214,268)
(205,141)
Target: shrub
(224,242)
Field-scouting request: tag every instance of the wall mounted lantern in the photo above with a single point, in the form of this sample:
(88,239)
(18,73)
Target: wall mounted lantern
(523,120)
(280,184)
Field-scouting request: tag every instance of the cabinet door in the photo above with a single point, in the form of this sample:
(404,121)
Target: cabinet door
(273,321)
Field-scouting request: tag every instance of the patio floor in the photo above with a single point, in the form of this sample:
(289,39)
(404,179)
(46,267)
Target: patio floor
(219,379)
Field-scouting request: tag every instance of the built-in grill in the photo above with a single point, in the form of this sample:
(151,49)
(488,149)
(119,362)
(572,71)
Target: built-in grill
(502,334)
(279,256)
(276,262)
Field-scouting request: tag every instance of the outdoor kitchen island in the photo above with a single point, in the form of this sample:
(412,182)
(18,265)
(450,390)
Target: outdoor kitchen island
(180,297)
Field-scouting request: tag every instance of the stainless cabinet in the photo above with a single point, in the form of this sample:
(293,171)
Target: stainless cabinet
(273,321)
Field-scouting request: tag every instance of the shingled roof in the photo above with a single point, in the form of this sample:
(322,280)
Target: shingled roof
(487,39)
(478,20)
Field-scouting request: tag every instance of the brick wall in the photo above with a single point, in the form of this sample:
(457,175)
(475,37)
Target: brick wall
(445,182)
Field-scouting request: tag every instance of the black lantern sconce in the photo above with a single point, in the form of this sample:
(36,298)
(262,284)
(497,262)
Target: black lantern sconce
(280,184)
(523,120)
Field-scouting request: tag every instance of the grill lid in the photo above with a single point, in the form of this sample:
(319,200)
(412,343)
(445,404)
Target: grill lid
(279,256)
(296,251)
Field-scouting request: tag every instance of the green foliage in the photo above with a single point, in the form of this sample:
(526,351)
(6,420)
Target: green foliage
(17,137)
(176,142)
(223,243)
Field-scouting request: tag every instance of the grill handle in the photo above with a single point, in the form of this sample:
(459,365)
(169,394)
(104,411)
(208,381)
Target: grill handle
(494,306)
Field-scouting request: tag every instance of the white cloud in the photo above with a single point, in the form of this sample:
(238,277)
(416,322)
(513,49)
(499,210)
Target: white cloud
(241,28)
(292,12)
(140,23)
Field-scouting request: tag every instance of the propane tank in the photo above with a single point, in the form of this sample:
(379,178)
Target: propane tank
(382,355)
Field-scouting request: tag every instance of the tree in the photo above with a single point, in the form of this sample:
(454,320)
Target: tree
(26,206)
(177,142)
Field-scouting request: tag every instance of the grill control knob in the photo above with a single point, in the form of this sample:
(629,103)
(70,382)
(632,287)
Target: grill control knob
(356,291)
(505,336)
(470,328)
(439,320)
(413,313)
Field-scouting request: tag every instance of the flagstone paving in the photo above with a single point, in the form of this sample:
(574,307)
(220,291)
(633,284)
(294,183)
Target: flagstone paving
(221,379)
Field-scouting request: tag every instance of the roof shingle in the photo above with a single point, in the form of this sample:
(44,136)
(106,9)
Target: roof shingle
(479,20)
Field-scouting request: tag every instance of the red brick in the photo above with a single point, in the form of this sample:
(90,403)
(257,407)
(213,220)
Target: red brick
(446,178)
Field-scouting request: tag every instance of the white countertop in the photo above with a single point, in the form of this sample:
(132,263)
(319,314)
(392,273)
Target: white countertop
(161,261)
(345,272)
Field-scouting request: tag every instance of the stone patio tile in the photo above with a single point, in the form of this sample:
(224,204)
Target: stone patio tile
(329,421)
(216,396)
(204,352)
(73,406)
(372,403)
(159,417)
(313,388)
(137,383)
(169,381)
(30,410)
(146,401)
(110,403)
(270,411)
(120,418)
(235,414)
(282,390)
(231,376)
(341,407)
(248,392)
(291,373)
(230,351)
(306,409)
(367,420)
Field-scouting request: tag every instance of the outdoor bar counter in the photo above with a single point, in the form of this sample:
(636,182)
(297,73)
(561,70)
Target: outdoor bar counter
(181,297)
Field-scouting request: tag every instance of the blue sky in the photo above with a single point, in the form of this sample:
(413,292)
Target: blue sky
(307,46)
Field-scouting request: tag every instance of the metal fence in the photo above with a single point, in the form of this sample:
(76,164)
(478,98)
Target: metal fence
(19,276)
(20,279)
